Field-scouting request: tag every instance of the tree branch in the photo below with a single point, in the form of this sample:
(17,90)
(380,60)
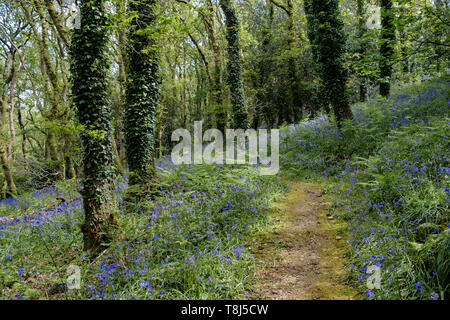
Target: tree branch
(280,5)
(435,43)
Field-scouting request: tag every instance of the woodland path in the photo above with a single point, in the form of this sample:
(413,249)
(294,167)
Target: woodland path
(302,256)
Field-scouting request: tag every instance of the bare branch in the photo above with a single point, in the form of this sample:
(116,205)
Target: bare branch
(280,5)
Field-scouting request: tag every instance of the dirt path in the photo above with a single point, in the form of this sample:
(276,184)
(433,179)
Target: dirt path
(301,257)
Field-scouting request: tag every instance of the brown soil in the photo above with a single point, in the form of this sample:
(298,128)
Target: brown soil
(302,256)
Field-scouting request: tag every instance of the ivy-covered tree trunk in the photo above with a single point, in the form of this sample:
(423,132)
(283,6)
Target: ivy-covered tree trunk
(217,92)
(263,109)
(362,29)
(325,32)
(386,47)
(119,110)
(234,65)
(293,110)
(142,92)
(89,66)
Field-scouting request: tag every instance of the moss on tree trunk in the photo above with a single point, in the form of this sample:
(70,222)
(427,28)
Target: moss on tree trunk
(9,185)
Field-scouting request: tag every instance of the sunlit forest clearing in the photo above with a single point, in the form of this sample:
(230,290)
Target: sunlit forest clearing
(349,102)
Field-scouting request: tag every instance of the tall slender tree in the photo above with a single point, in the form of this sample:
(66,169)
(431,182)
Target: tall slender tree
(142,92)
(264,109)
(362,30)
(8,187)
(325,31)
(234,66)
(89,65)
(52,51)
(387,49)
(294,107)
(217,91)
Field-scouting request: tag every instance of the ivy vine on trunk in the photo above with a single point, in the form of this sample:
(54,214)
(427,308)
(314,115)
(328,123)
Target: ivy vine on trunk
(234,65)
(142,92)
(89,66)
(362,30)
(326,34)
(386,47)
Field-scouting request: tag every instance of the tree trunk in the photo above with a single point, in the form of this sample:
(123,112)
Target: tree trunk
(221,114)
(234,65)
(362,29)
(10,185)
(325,31)
(89,66)
(69,170)
(142,94)
(119,113)
(295,109)
(12,100)
(386,47)
(57,22)
(24,136)
(117,162)
(266,69)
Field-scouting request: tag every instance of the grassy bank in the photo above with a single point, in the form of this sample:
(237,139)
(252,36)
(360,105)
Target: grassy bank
(387,172)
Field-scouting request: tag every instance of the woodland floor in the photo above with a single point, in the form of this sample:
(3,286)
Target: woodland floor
(302,256)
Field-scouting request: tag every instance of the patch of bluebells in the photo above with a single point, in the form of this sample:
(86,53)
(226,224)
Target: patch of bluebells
(190,241)
(391,165)
(193,236)
(30,202)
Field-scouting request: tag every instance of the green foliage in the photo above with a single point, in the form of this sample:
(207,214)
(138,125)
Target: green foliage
(423,38)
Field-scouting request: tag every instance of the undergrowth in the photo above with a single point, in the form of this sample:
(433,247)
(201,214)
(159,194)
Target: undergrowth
(191,242)
(387,172)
